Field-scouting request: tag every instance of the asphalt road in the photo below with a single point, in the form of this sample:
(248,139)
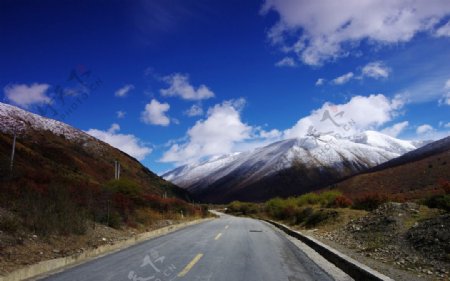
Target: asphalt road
(228,248)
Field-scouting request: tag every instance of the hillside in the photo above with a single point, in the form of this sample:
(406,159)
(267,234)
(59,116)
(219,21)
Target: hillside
(414,175)
(62,181)
(50,151)
(285,168)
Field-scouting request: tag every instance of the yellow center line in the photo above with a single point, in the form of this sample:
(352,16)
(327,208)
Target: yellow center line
(190,265)
(218,236)
(226,227)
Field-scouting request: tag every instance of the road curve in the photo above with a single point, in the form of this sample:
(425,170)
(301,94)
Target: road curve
(228,248)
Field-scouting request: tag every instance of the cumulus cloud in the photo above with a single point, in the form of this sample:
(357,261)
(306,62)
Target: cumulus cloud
(215,135)
(343,79)
(272,134)
(447,85)
(129,144)
(424,129)
(395,129)
(180,86)
(445,99)
(287,62)
(376,70)
(25,96)
(120,114)
(323,30)
(155,113)
(320,82)
(443,31)
(358,114)
(194,110)
(123,92)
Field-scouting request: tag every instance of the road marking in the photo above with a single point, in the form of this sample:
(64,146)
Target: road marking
(226,227)
(218,236)
(190,265)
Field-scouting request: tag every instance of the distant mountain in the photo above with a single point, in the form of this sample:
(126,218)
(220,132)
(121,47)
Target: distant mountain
(287,167)
(413,175)
(50,151)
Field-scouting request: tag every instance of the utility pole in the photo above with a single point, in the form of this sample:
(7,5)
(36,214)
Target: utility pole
(12,154)
(116,170)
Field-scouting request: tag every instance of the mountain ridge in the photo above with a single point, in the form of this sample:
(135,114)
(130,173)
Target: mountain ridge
(67,152)
(327,155)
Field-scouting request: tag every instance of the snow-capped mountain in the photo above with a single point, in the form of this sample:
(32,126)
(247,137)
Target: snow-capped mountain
(19,121)
(50,151)
(318,160)
(414,175)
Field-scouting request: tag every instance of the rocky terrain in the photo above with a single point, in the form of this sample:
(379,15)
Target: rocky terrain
(405,236)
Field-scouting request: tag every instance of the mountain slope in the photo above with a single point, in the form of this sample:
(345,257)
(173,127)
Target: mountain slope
(286,167)
(414,175)
(50,151)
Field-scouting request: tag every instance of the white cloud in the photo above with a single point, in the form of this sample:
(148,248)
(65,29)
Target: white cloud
(343,79)
(447,85)
(324,30)
(447,125)
(194,110)
(73,92)
(395,129)
(215,135)
(25,96)
(320,82)
(445,99)
(179,86)
(443,31)
(129,144)
(272,134)
(123,92)
(286,61)
(423,129)
(155,113)
(376,70)
(175,121)
(359,114)
(114,128)
(121,114)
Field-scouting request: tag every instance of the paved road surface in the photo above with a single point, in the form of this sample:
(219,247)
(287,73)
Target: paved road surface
(229,248)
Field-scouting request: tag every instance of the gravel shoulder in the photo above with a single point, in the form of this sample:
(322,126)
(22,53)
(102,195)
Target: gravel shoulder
(404,241)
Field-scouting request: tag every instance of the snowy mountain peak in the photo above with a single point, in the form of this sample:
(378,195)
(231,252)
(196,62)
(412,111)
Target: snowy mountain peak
(19,121)
(344,156)
(377,139)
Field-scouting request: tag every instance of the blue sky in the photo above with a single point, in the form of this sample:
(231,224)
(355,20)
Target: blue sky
(196,79)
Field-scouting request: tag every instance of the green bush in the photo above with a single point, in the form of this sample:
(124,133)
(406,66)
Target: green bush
(325,199)
(281,208)
(112,219)
(244,208)
(320,216)
(308,199)
(302,215)
(125,187)
(328,198)
(439,201)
